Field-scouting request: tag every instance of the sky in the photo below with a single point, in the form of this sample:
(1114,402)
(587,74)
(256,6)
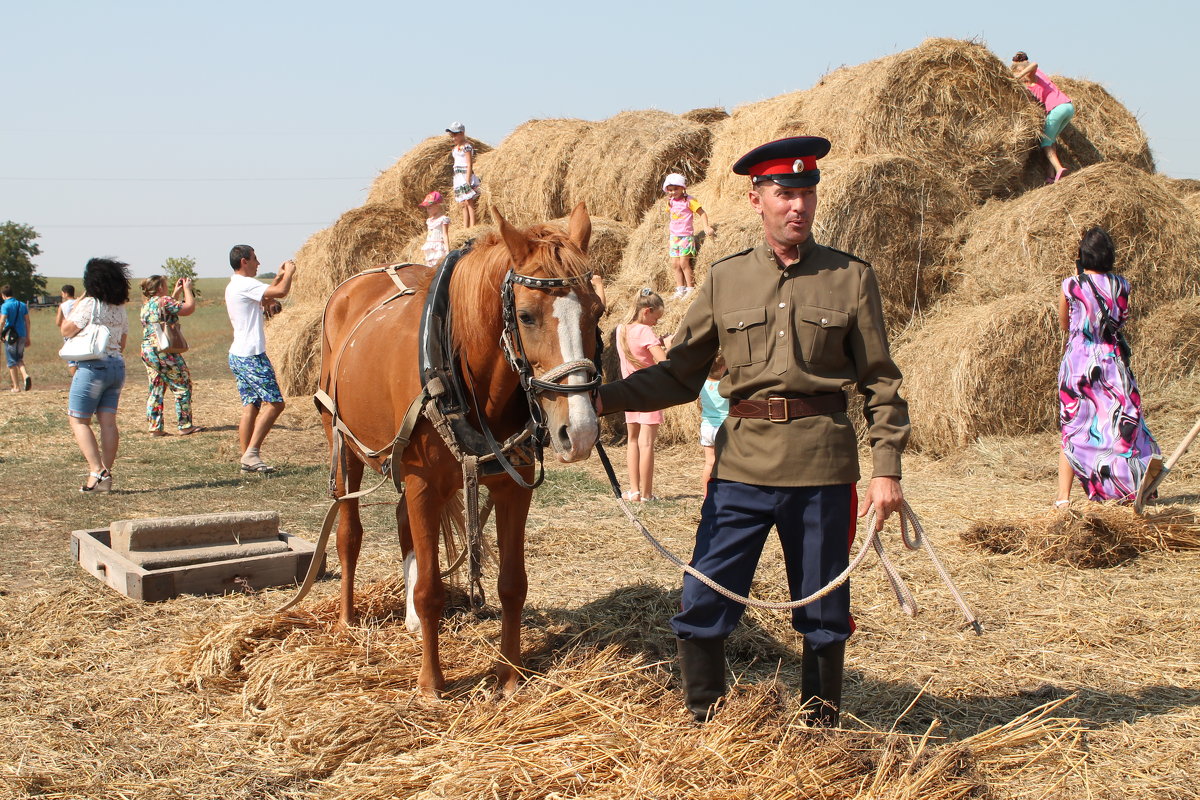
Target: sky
(146,130)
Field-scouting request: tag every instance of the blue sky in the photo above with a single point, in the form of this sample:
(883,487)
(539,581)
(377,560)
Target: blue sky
(148,130)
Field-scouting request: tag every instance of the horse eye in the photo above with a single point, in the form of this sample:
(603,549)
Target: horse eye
(526,318)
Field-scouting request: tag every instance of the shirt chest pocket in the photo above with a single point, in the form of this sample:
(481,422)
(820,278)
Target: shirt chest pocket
(823,334)
(745,340)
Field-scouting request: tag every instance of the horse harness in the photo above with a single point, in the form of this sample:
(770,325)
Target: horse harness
(443,401)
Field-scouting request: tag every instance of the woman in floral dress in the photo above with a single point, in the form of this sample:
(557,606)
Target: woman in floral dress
(166,369)
(1105,441)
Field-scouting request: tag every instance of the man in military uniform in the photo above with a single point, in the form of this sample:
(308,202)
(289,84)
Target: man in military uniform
(796,321)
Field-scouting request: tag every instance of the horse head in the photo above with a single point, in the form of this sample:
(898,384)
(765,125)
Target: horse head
(551,331)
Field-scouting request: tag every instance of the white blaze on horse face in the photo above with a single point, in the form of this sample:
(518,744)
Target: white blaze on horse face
(582,427)
(411,620)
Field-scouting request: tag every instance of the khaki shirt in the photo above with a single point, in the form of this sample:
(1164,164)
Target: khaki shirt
(812,327)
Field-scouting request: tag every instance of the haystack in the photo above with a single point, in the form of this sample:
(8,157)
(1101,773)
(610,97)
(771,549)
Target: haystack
(294,347)
(749,126)
(1030,243)
(618,166)
(1166,343)
(706,116)
(974,370)
(426,167)
(1103,128)
(949,104)
(361,238)
(526,174)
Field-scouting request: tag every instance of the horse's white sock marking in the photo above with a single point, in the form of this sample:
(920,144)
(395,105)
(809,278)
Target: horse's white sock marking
(411,620)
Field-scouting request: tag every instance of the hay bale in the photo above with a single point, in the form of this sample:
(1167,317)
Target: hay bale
(294,347)
(706,116)
(618,166)
(426,167)
(949,104)
(1031,242)
(1103,129)
(1166,343)
(361,238)
(894,213)
(525,176)
(974,370)
(747,127)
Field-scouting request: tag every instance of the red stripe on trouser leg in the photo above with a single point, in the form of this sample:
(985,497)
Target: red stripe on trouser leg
(853,530)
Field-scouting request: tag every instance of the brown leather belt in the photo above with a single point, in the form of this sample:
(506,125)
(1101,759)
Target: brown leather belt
(783,409)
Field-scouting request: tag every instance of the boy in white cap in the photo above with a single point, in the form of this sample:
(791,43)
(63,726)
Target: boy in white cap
(682,210)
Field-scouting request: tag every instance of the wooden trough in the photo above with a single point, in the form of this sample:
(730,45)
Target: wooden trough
(157,559)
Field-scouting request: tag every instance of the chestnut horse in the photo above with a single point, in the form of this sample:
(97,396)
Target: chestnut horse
(370,364)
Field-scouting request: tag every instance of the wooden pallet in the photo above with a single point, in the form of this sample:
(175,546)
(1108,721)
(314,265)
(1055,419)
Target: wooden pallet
(91,548)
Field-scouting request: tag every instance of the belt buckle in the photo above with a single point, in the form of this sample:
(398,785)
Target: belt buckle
(777,410)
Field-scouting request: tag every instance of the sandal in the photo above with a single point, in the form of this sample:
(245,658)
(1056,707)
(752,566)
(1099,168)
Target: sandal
(257,466)
(632,496)
(1061,503)
(157,433)
(651,499)
(1058,176)
(103,482)
(191,430)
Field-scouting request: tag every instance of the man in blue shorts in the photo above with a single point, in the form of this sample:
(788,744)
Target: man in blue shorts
(262,402)
(14,330)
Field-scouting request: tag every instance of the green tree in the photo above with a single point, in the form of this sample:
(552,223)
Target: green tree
(182,267)
(17,250)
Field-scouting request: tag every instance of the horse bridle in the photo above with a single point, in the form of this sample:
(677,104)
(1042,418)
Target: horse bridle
(514,349)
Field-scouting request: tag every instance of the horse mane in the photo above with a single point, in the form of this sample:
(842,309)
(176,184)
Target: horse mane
(475,286)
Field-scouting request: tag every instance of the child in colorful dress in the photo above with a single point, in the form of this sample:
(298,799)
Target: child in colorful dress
(682,209)
(639,346)
(713,410)
(466,182)
(437,243)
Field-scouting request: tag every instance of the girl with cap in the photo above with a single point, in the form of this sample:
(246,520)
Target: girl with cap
(1059,109)
(682,210)
(437,243)
(466,182)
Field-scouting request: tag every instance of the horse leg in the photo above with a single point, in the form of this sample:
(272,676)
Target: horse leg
(349,534)
(428,594)
(411,621)
(512,510)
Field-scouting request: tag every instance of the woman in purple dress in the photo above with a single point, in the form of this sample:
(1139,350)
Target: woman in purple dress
(1105,441)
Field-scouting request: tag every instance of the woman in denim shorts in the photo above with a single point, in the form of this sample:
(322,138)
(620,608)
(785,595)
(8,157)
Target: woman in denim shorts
(96,386)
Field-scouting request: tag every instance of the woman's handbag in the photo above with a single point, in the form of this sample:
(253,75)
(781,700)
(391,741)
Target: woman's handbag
(89,344)
(169,337)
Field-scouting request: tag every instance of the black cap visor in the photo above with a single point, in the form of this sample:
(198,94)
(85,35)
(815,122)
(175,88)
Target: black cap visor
(792,180)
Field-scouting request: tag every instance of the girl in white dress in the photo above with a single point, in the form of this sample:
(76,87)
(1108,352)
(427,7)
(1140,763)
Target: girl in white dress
(437,243)
(466,182)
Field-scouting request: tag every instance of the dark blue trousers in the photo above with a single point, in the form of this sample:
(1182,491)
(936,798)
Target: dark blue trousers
(814,524)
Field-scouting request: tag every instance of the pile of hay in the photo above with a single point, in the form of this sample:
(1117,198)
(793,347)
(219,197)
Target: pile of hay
(1103,129)
(618,165)
(706,116)
(1030,243)
(974,370)
(294,347)
(1166,343)
(1100,535)
(526,174)
(426,167)
(749,126)
(599,716)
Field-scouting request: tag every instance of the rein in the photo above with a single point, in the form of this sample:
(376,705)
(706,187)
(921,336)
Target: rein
(918,540)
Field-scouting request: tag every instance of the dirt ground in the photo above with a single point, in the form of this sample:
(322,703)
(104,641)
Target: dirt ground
(94,706)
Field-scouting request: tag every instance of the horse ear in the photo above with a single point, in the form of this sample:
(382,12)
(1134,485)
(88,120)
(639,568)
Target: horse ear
(579,228)
(514,240)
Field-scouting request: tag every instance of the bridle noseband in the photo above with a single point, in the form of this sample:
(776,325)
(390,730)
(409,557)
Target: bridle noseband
(514,349)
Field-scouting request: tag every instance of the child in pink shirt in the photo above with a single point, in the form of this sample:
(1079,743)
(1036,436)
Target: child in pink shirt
(682,209)
(1059,109)
(638,347)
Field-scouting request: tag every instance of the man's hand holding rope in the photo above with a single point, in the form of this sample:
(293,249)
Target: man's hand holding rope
(885,495)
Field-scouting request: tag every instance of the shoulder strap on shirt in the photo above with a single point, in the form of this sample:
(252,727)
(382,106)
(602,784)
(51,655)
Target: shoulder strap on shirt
(850,256)
(734,255)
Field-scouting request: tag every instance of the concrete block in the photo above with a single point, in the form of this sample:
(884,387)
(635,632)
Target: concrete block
(160,557)
(198,530)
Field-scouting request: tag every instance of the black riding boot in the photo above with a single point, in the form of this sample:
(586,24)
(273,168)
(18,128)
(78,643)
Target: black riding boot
(702,667)
(821,683)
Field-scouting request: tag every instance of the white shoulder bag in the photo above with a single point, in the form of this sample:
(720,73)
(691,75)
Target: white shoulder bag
(89,344)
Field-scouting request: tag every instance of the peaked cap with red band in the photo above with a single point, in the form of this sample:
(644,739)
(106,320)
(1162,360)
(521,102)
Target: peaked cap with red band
(790,162)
